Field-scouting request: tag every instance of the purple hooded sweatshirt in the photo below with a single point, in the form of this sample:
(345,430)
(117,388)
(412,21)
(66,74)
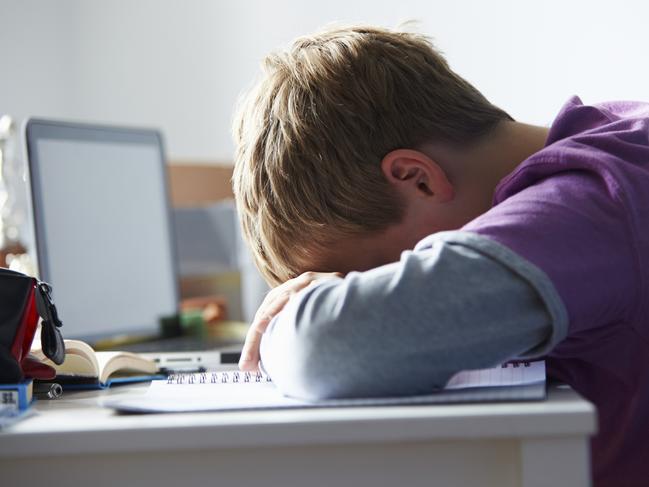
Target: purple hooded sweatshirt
(579,210)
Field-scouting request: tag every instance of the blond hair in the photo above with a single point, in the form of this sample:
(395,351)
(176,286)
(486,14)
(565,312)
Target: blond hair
(311,134)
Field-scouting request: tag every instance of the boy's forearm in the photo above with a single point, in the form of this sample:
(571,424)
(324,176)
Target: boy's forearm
(406,327)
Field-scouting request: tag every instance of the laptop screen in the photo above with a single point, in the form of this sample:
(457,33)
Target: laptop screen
(102,227)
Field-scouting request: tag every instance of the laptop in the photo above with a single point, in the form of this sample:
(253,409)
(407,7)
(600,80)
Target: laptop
(104,238)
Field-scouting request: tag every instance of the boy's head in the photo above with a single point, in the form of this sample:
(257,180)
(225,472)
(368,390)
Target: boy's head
(312,134)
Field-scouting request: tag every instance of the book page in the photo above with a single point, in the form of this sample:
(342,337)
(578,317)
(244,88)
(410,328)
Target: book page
(79,359)
(123,363)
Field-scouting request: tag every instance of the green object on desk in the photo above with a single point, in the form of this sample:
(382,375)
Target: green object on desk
(192,323)
(170,326)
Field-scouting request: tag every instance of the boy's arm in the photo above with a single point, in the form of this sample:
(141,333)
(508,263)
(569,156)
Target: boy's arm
(405,328)
(468,301)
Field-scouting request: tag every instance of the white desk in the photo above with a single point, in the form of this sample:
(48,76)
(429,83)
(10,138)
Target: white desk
(72,441)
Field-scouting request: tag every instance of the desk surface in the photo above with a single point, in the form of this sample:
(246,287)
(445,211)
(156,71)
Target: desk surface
(75,421)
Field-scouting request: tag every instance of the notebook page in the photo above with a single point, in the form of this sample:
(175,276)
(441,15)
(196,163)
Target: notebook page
(511,374)
(225,391)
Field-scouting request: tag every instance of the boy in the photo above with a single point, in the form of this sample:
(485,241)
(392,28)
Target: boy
(359,144)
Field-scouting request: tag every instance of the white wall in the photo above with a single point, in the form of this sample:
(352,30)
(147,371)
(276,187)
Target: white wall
(180,65)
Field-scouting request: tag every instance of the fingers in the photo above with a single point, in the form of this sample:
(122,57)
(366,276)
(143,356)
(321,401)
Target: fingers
(250,353)
(274,302)
(249,360)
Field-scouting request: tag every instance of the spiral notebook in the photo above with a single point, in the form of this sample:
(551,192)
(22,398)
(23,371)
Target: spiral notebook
(233,390)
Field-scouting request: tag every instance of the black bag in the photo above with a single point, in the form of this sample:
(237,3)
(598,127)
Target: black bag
(22,300)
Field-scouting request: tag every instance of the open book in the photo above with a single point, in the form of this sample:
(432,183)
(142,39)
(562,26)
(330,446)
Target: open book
(233,390)
(85,368)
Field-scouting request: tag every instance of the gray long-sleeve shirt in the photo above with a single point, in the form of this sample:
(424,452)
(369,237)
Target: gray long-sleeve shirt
(458,301)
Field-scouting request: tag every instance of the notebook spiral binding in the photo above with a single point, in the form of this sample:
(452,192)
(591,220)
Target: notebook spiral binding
(233,377)
(516,364)
(217,378)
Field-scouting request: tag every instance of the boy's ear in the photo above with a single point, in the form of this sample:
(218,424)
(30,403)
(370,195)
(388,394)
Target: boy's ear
(416,174)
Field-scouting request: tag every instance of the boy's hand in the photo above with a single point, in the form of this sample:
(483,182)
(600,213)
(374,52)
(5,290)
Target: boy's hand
(274,302)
